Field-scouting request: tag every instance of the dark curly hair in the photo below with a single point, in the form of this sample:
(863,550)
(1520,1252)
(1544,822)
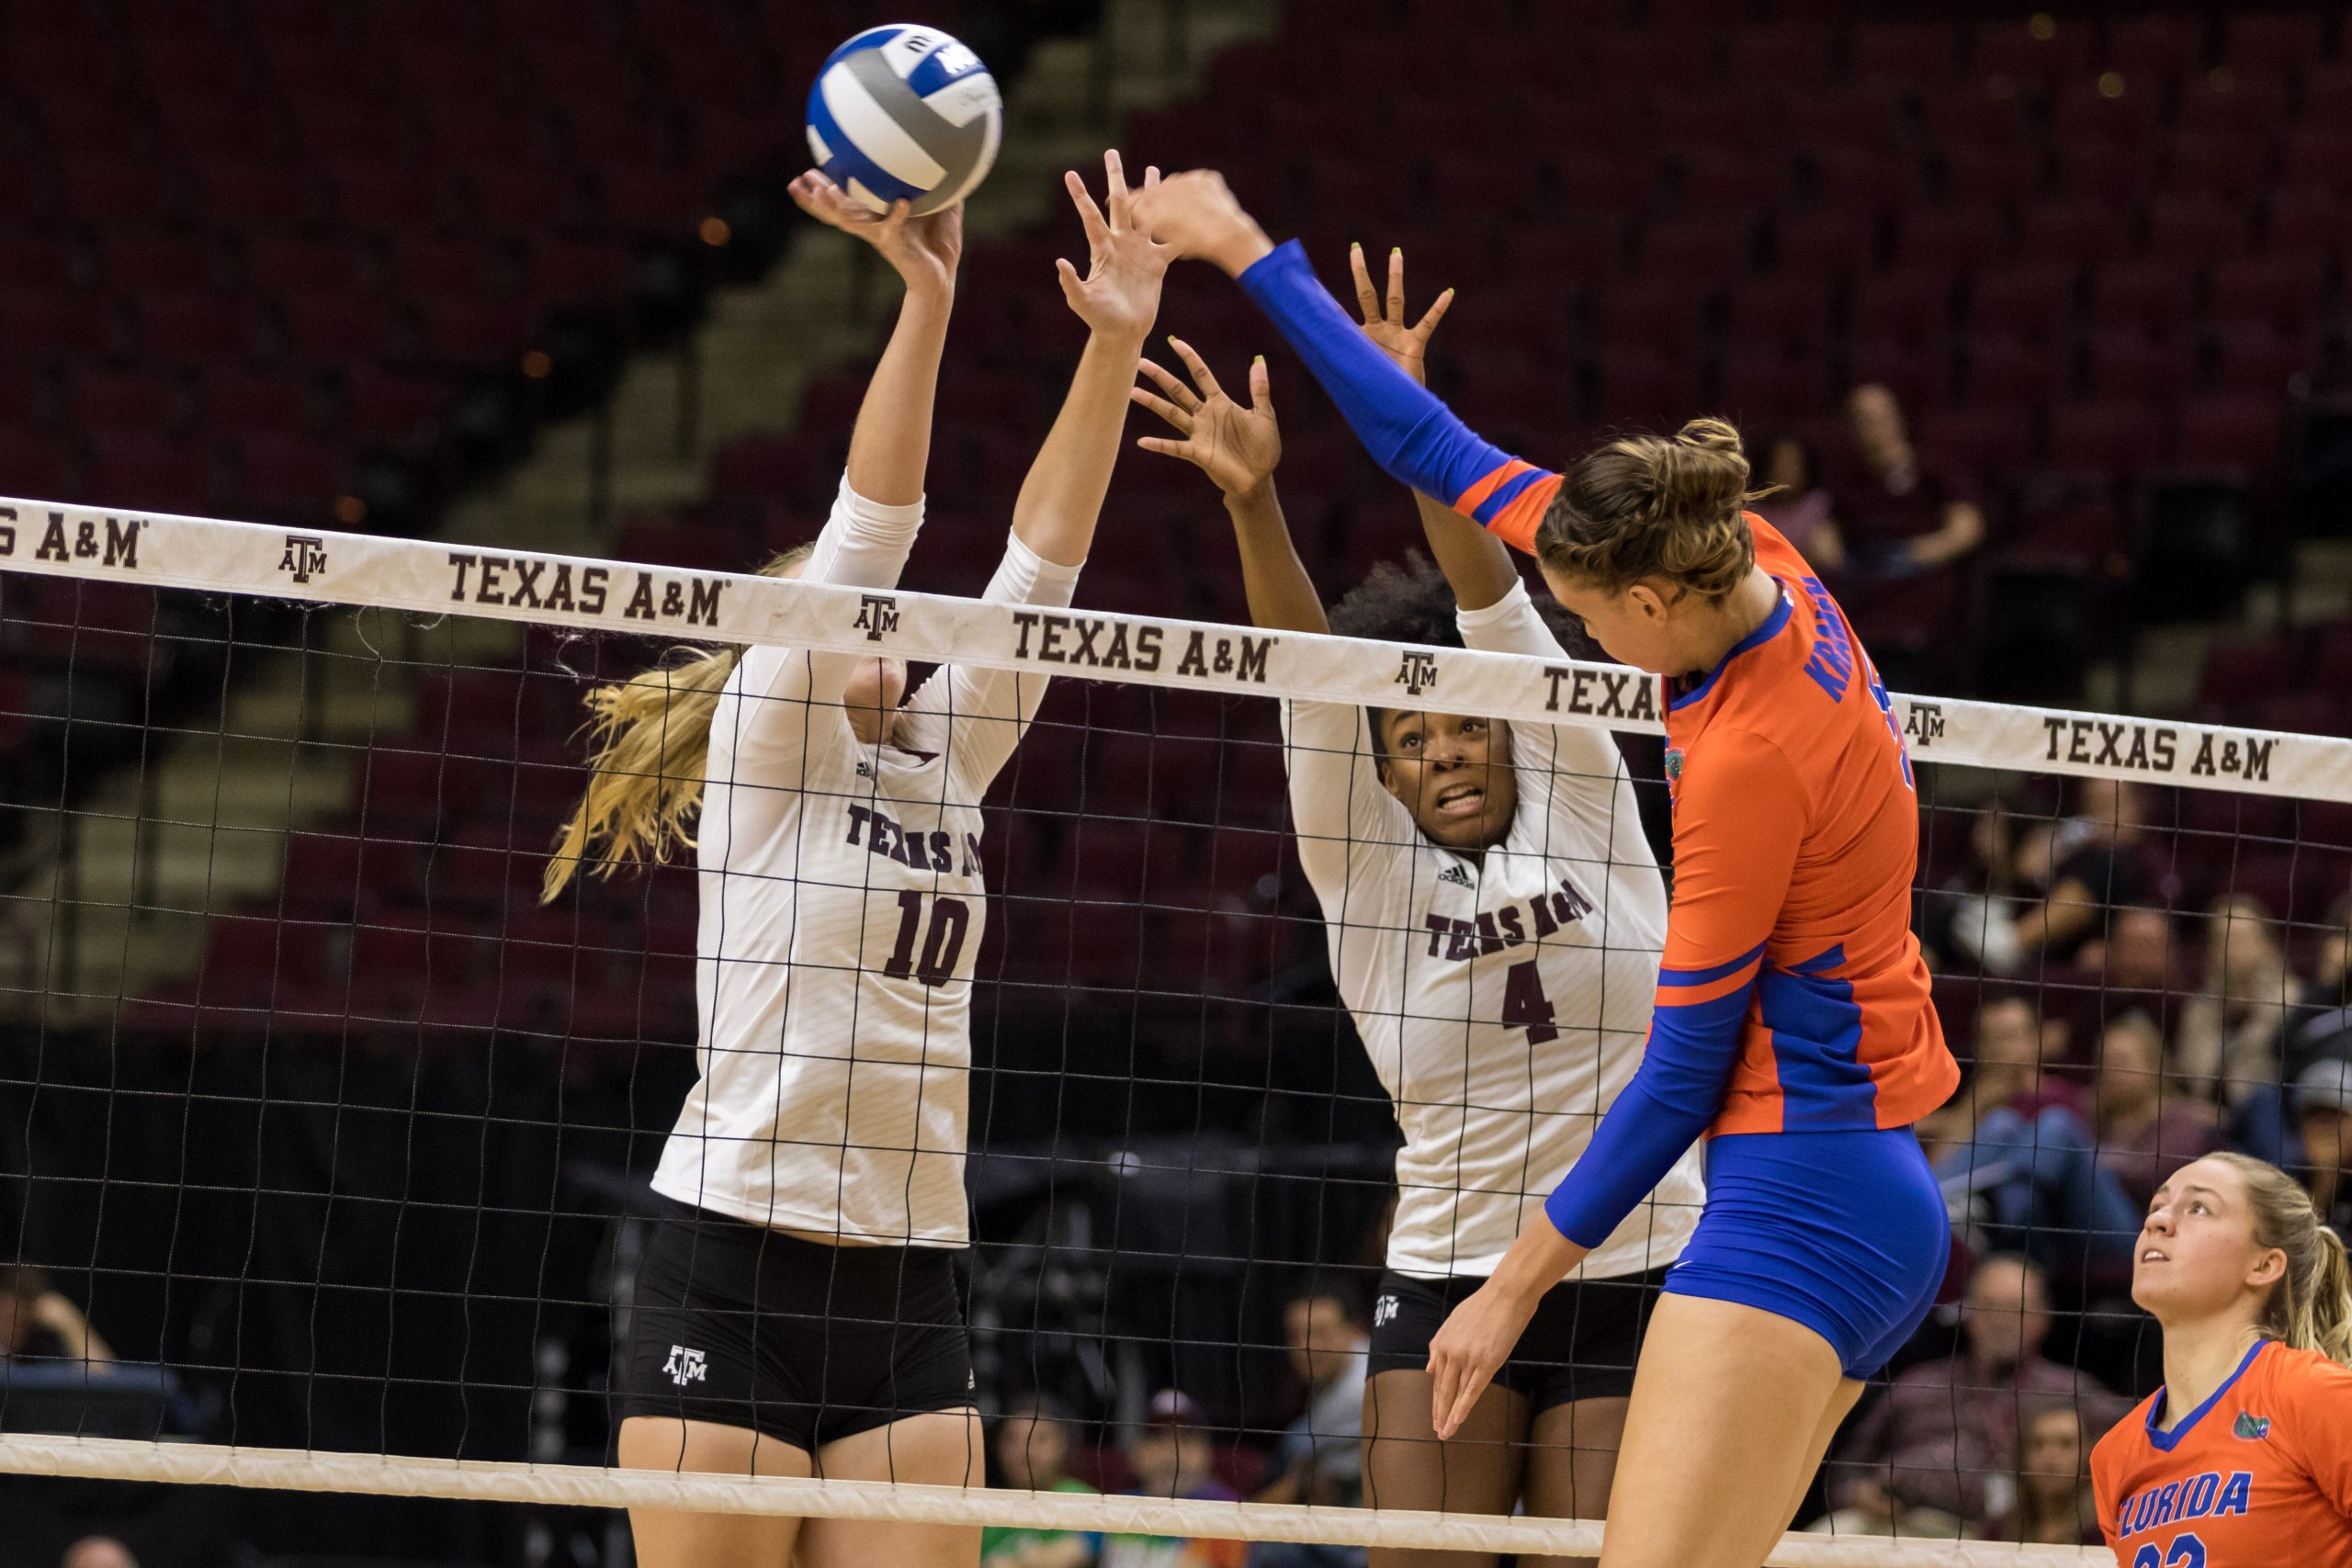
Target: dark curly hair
(1413,602)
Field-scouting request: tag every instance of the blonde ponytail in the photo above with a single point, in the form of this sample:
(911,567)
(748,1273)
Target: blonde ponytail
(2324,1310)
(650,739)
(1655,506)
(2311,1307)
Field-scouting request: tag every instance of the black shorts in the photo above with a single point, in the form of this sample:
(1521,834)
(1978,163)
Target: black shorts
(1581,1343)
(745,1326)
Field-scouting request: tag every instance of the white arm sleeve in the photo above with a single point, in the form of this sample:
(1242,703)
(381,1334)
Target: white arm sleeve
(1575,768)
(1344,817)
(790,699)
(978,717)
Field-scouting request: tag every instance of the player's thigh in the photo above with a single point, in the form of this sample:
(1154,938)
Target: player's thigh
(1571,1462)
(668,1539)
(1406,1466)
(1728,1406)
(939,1447)
(1841,1405)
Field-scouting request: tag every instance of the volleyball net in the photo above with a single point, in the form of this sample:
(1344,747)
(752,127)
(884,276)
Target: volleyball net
(341,1136)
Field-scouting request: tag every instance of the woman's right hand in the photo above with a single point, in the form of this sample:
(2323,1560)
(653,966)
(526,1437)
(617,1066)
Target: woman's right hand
(1383,323)
(1197,214)
(923,250)
(1237,448)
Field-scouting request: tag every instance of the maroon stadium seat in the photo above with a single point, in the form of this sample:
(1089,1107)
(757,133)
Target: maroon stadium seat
(2030,298)
(2279,289)
(2152,297)
(157,473)
(2082,234)
(2195,228)
(2009,50)
(2258,361)
(2239,432)
(1990,441)
(2130,362)
(2014,372)
(1825,245)
(2277,41)
(2230,165)
(2156,47)
(1914,302)
(2113,435)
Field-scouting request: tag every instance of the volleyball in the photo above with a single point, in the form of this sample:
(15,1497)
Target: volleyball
(905,112)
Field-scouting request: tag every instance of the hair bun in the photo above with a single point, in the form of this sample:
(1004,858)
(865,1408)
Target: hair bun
(1701,471)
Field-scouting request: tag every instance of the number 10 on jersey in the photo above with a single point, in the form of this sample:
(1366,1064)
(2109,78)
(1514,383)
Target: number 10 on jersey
(951,920)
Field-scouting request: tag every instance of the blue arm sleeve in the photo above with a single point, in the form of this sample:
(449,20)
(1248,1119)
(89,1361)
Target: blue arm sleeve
(1674,1095)
(1415,438)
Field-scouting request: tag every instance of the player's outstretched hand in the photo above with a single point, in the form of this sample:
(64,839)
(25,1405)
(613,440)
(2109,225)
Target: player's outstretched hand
(923,250)
(1237,448)
(1119,296)
(1196,214)
(1384,320)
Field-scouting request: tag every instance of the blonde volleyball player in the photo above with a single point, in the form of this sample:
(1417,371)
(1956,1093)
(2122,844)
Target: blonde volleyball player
(796,1312)
(1494,916)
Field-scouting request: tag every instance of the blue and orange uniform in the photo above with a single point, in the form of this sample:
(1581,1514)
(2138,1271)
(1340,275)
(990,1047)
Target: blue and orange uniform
(1794,1019)
(2260,1473)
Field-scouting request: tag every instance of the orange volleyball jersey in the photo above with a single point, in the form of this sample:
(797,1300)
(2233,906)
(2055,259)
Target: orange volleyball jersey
(1796,838)
(2258,1476)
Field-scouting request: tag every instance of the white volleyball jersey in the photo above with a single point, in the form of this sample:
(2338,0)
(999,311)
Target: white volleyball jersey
(1504,1001)
(842,909)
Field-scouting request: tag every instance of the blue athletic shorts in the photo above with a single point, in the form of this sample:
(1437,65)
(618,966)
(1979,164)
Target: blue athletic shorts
(1844,1232)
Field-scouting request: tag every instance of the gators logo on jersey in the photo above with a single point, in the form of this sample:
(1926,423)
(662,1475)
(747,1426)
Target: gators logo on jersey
(2253,1428)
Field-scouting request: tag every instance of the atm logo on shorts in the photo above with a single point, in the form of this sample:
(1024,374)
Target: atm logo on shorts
(686,1366)
(1384,1312)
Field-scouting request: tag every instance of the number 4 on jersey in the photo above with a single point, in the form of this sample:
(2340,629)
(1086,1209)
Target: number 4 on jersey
(1526,1006)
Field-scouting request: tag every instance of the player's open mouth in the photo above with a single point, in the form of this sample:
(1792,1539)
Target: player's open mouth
(1462,800)
(2154,1255)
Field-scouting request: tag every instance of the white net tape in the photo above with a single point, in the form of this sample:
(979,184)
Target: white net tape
(213,556)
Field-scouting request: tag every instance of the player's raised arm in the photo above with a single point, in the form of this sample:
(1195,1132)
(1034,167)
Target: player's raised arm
(976,716)
(1237,449)
(1412,435)
(1118,299)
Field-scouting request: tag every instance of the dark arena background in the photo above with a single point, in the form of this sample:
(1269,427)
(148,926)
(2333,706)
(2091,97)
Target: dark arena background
(327,1125)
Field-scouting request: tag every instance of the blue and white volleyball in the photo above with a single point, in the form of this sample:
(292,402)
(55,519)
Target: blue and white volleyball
(905,112)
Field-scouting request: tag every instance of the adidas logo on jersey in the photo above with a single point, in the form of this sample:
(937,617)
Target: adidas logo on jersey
(686,1366)
(2251,1428)
(1456,874)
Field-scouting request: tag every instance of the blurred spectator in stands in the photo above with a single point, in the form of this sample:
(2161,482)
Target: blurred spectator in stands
(1321,1453)
(2051,1499)
(2227,1042)
(1968,922)
(1933,1456)
(2019,1149)
(1800,508)
(2148,1125)
(2138,958)
(99,1552)
(2320,1022)
(2089,865)
(1908,519)
(1033,1444)
(2324,1112)
(1173,1456)
(37,1322)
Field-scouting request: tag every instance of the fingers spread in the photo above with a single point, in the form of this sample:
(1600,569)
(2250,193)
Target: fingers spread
(1366,301)
(1115,178)
(1183,397)
(1436,314)
(1261,389)
(1098,233)
(1201,378)
(1396,284)
(1175,416)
